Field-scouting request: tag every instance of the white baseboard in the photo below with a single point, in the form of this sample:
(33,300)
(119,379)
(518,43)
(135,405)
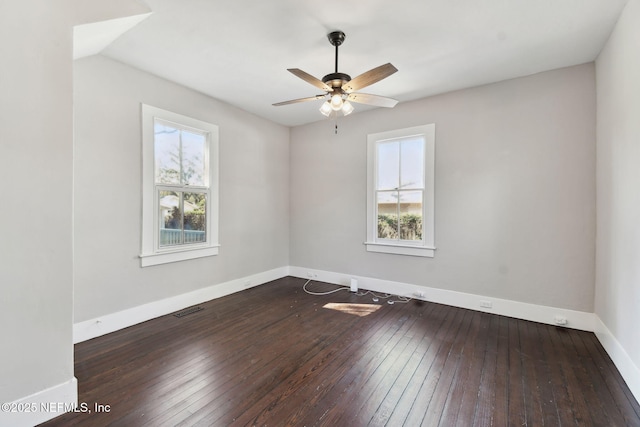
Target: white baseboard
(41,406)
(92,328)
(537,313)
(519,310)
(629,370)
(112,322)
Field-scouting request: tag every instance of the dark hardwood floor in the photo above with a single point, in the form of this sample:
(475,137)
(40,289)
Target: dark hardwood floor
(276,356)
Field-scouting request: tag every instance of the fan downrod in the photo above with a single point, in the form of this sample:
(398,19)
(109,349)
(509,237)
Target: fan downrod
(336,79)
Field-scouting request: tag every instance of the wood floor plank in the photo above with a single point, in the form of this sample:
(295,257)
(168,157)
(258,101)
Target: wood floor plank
(335,351)
(596,383)
(429,377)
(517,410)
(485,404)
(396,392)
(333,393)
(370,367)
(560,394)
(437,323)
(621,395)
(463,376)
(376,388)
(442,391)
(275,355)
(256,378)
(560,340)
(472,369)
(539,398)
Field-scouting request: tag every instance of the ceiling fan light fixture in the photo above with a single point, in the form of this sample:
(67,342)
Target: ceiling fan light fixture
(340,89)
(347,108)
(326,108)
(336,102)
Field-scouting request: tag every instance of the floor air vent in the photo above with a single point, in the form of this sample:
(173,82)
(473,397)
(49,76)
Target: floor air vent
(188,311)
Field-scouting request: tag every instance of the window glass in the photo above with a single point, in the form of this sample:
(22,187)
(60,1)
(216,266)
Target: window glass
(170,218)
(193,168)
(167,154)
(388,214)
(388,165)
(412,163)
(400,170)
(183,217)
(410,208)
(195,217)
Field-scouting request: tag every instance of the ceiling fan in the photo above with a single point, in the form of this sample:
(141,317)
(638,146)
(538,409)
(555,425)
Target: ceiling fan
(340,88)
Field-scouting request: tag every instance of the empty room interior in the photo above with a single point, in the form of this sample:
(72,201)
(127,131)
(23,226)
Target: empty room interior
(330,213)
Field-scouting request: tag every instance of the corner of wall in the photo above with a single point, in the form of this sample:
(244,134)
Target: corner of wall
(41,406)
(629,371)
(92,328)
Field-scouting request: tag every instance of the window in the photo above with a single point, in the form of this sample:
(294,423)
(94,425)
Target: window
(180,179)
(400,191)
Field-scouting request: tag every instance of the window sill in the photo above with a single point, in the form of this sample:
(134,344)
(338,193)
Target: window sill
(389,248)
(147,260)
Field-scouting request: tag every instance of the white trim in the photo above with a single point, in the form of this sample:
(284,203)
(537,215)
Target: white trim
(174,256)
(42,406)
(391,248)
(629,370)
(150,254)
(102,325)
(581,320)
(519,310)
(426,247)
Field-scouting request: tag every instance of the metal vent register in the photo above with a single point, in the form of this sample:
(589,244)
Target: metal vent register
(188,311)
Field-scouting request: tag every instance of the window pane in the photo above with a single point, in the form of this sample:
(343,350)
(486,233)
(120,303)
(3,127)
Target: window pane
(411,215)
(412,163)
(195,217)
(388,165)
(387,214)
(167,153)
(170,218)
(193,168)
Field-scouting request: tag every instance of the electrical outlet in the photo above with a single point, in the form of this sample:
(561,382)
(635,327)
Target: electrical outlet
(560,320)
(419,294)
(309,274)
(486,304)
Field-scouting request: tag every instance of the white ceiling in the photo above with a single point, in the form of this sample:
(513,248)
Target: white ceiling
(239,51)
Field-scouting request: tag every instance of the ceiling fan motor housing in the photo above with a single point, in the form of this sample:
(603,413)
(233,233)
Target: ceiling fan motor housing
(336,80)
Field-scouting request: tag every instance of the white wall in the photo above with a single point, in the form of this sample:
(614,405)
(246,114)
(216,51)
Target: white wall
(617,299)
(254,191)
(515,191)
(35,166)
(36,247)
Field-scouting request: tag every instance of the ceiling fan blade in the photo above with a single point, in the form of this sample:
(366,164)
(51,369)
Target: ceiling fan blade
(378,101)
(369,78)
(310,79)
(295,101)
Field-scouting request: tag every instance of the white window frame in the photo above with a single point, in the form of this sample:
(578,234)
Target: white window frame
(426,247)
(151,252)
